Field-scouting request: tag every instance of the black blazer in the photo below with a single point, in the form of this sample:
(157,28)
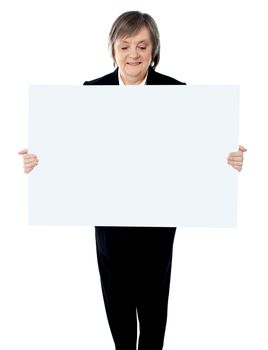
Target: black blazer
(153,78)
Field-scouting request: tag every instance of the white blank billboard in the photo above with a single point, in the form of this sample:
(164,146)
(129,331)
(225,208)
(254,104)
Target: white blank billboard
(133,155)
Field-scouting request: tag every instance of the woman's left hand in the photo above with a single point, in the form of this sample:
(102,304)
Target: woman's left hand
(235,159)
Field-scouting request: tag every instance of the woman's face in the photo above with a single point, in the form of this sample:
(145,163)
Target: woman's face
(133,55)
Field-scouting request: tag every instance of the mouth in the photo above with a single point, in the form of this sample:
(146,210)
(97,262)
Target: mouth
(134,64)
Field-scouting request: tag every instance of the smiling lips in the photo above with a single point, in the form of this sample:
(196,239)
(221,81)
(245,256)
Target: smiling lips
(134,63)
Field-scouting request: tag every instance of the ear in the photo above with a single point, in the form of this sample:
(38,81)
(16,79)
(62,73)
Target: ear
(152,64)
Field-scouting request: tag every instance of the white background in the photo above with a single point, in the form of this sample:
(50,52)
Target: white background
(50,292)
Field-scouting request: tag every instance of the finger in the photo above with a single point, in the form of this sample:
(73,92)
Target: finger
(236,159)
(29,168)
(30,158)
(238,168)
(234,162)
(236,154)
(30,165)
(24,151)
(242,148)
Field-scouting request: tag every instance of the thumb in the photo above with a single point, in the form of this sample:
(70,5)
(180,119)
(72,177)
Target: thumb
(24,151)
(242,148)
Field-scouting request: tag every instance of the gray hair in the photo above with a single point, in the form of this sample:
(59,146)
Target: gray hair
(130,23)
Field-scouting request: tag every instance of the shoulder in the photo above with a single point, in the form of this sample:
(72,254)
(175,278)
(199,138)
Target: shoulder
(108,79)
(155,78)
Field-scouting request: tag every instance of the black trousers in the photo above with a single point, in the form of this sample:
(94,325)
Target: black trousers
(135,267)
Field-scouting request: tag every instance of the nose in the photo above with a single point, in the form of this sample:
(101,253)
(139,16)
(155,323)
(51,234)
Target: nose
(133,52)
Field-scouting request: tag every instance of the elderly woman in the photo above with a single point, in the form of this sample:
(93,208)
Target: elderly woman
(135,262)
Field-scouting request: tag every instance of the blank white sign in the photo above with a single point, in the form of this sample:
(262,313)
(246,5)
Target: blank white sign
(133,155)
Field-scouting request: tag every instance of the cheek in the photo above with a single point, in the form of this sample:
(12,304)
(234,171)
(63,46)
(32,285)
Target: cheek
(148,56)
(119,56)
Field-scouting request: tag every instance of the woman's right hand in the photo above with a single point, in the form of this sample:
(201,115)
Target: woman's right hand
(29,160)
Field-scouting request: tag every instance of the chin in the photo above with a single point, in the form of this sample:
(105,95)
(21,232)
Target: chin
(135,70)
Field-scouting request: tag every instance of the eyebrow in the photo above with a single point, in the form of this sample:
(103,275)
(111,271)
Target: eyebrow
(140,42)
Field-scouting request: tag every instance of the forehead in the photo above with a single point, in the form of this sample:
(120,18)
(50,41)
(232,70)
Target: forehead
(142,35)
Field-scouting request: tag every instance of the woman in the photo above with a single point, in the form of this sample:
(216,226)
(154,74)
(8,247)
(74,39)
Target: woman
(135,262)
